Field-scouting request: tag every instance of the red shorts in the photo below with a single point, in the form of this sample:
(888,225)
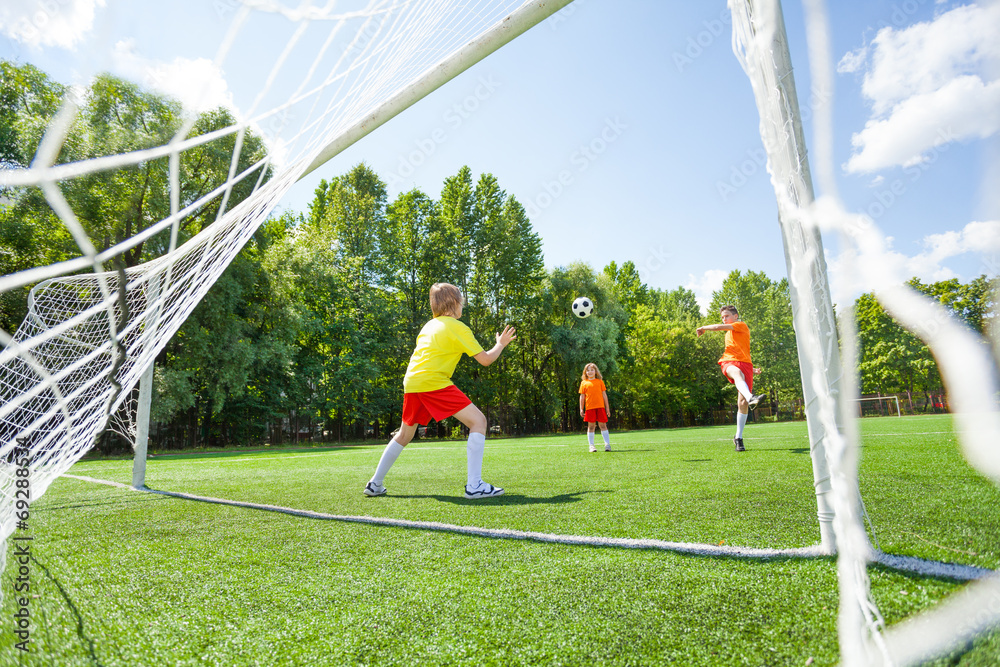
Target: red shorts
(423,406)
(744,366)
(596,415)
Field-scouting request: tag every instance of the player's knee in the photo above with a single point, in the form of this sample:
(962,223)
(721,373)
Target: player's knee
(405,434)
(478,423)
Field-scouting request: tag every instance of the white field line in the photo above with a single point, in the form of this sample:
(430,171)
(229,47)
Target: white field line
(904,563)
(352,450)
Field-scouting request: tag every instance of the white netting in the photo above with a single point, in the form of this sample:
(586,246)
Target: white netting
(966,365)
(77,357)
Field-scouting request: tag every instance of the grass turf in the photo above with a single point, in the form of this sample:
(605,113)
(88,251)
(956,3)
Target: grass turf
(126,578)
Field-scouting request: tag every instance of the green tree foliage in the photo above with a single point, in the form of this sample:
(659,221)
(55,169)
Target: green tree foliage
(112,205)
(674,375)
(893,360)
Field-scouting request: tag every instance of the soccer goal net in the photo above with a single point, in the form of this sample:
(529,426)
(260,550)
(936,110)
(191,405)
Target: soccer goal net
(878,406)
(96,322)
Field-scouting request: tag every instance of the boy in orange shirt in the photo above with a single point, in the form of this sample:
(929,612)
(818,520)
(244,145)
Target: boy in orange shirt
(736,366)
(594,406)
(429,393)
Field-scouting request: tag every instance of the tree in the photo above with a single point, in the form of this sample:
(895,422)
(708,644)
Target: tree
(891,359)
(674,371)
(28,99)
(115,204)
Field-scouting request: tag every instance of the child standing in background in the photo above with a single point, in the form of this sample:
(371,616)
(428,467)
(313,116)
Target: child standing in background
(594,406)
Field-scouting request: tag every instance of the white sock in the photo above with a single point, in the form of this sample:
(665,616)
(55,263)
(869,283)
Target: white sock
(590,438)
(741,386)
(607,437)
(474,459)
(741,421)
(389,456)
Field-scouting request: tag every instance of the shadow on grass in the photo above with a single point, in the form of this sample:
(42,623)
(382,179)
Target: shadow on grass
(508,499)
(88,642)
(112,503)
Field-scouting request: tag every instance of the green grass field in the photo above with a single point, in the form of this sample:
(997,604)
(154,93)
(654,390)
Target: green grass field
(128,578)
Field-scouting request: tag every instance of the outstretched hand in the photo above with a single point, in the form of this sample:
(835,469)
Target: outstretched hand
(757,371)
(700,330)
(504,338)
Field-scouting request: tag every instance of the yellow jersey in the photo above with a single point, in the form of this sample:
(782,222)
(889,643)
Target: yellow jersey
(440,345)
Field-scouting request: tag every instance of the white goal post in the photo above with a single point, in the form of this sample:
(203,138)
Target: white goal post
(90,336)
(880,400)
(967,368)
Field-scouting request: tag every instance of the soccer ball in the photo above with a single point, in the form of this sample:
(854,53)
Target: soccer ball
(583,307)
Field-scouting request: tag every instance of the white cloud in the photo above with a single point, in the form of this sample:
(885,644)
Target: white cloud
(198,83)
(46,23)
(928,84)
(703,287)
(853,61)
(981,237)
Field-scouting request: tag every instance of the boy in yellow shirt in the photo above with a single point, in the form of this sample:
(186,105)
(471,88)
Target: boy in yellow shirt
(736,365)
(429,393)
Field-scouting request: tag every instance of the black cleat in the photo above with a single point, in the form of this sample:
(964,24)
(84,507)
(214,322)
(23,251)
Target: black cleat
(755,400)
(372,489)
(739,444)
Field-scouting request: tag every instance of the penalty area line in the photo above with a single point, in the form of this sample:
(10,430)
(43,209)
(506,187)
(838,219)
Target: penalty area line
(904,563)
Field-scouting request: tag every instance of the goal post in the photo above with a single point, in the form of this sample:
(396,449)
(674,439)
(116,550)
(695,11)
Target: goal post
(880,400)
(501,33)
(968,371)
(90,337)
(760,44)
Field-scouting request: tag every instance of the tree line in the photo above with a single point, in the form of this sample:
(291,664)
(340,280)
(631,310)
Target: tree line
(307,334)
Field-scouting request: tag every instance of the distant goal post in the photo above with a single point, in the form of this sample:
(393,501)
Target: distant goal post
(880,402)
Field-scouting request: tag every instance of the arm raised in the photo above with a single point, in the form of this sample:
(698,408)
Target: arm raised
(503,340)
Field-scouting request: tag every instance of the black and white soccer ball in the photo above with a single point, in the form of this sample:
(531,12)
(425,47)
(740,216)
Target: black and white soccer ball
(583,307)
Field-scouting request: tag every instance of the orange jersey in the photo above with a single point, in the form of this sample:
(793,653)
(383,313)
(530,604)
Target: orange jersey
(593,392)
(737,343)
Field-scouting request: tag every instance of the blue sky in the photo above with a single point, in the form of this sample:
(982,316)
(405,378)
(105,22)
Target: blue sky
(628,129)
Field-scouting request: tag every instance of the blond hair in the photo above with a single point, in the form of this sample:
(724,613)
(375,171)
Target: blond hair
(597,372)
(445,299)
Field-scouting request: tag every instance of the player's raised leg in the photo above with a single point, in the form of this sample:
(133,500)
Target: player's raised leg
(475,487)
